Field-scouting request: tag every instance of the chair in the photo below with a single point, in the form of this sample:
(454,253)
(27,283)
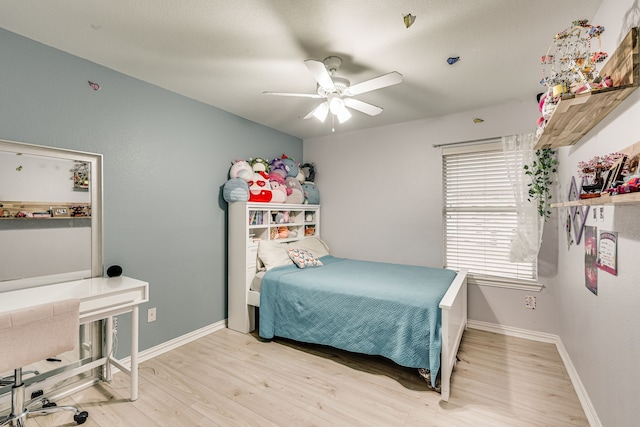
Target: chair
(32,334)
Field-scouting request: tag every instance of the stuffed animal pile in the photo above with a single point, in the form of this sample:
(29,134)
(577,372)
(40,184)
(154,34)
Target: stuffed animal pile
(280,180)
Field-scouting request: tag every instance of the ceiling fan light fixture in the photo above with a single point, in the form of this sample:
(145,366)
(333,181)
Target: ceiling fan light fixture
(321,112)
(336,105)
(338,109)
(343,115)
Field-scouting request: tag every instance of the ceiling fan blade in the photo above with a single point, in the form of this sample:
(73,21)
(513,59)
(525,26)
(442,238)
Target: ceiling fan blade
(363,107)
(300,95)
(393,78)
(320,73)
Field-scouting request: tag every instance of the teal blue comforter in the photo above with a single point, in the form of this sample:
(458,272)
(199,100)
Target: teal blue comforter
(373,308)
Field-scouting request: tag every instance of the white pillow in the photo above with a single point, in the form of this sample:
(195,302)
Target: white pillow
(273,254)
(312,244)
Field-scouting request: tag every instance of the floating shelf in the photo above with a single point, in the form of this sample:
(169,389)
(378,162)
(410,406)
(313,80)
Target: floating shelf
(56,210)
(576,115)
(605,199)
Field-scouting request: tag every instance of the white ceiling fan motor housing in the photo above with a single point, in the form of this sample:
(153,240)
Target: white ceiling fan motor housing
(341,85)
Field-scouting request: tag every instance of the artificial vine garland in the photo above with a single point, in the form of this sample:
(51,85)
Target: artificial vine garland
(540,172)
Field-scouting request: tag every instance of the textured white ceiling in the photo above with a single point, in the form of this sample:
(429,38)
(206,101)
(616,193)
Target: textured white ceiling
(227,52)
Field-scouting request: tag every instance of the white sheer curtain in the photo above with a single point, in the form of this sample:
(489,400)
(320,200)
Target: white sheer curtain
(525,244)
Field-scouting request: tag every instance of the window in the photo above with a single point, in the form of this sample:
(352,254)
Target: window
(480,217)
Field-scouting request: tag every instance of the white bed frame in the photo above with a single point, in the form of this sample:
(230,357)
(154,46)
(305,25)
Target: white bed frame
(243,251)
(454,322)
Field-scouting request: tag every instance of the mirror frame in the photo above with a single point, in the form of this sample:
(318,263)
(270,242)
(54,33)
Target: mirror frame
(97,266)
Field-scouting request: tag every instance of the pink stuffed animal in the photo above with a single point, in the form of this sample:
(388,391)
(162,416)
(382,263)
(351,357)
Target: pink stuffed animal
(279,189)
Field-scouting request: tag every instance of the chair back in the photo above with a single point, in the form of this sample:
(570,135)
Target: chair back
(35,333)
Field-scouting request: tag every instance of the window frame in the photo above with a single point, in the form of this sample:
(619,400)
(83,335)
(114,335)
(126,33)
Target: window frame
(475,277)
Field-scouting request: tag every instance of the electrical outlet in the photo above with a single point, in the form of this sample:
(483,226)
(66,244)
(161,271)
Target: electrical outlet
(151,315)
(530,302)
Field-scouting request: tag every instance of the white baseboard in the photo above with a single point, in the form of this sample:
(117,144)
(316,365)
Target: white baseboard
(587,406)
(513,332)
(152,352)
(583,396)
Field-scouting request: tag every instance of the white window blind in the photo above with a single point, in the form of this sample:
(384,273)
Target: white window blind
(480,215)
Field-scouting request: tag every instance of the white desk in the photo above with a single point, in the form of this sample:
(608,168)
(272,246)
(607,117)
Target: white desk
(100,298)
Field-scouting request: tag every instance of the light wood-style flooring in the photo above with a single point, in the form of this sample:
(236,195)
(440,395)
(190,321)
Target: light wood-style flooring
(232,379)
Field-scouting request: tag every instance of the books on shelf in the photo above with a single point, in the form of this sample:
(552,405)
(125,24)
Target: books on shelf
(256,217)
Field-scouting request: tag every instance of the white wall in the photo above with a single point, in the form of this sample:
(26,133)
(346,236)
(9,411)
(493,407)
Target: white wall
(602,333)
(380,191)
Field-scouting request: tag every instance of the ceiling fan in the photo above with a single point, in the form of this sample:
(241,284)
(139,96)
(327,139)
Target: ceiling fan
(338,92)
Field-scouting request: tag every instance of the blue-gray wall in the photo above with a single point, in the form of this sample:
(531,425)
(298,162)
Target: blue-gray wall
(165,160)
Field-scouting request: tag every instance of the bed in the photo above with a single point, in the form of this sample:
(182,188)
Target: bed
(412,315)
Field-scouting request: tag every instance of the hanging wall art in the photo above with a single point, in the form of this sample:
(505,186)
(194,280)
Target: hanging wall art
(578,214)
(608,252)
(590,259)
(81,176)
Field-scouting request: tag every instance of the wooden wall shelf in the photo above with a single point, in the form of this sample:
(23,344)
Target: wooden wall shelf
(8,210)
(620,199)
(606,198)
(576,115)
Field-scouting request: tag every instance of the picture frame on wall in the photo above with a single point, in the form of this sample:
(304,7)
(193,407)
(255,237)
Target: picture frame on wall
(607,180)
(608,252)
(614,175)
(591,259)
(61,211)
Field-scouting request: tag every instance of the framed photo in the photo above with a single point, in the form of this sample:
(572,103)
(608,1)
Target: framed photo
(590,259)
(615,173)
(606,180)
(608,252)
(60,212)
(633,163)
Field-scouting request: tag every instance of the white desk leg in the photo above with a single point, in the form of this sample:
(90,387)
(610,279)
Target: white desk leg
(134,353)
(108,343)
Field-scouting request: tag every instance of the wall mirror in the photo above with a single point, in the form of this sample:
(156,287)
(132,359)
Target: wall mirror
(51,215)
(50,232)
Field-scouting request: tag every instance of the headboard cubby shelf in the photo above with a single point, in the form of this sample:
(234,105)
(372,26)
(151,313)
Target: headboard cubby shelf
(249,224)
(280,223)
